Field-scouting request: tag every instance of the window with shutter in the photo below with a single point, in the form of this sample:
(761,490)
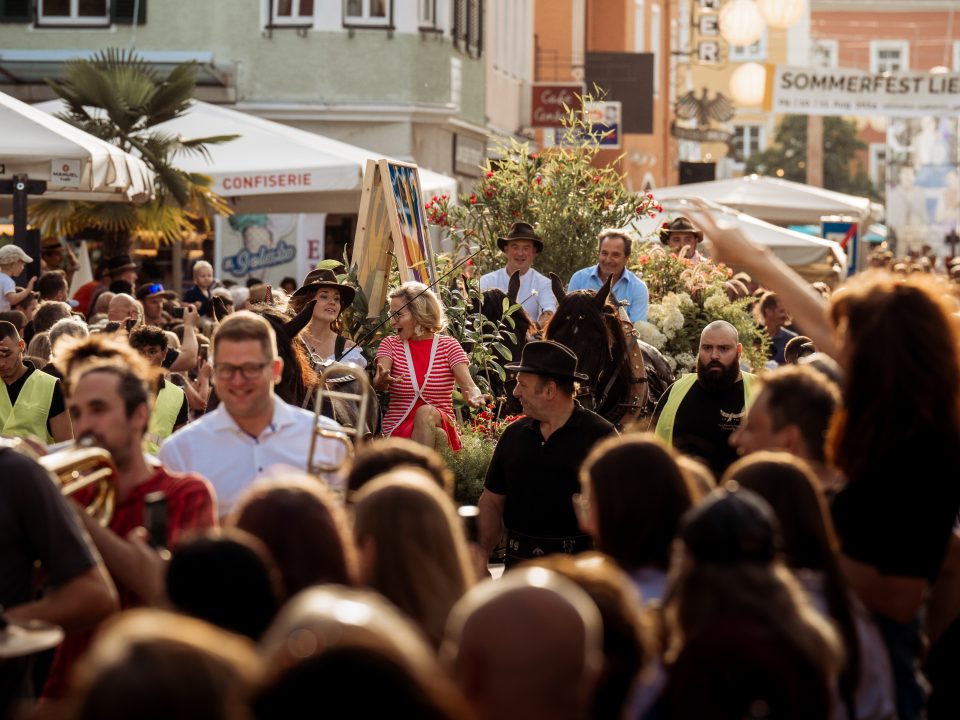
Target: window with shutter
(121,11)
(73,12)
(15,11)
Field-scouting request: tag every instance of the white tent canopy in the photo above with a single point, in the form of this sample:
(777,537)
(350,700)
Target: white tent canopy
(777,201)
(794,248)
(274,168)
(75,164)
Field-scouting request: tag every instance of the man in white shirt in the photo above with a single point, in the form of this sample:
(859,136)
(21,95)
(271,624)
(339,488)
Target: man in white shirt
(521,246)
(252,430)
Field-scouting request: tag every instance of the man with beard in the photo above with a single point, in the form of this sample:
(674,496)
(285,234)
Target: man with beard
(699,411)
(109,395)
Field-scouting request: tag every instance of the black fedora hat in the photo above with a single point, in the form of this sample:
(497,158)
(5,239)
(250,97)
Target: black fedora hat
(546,357)
(521,231)
(325,278)
(679,225)
(119,263)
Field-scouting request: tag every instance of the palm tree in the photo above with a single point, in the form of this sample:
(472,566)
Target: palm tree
(120,98)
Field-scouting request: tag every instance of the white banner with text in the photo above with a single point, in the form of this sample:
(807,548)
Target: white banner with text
(843,91)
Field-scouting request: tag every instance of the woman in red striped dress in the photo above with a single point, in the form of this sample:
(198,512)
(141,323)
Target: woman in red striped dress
(419,366)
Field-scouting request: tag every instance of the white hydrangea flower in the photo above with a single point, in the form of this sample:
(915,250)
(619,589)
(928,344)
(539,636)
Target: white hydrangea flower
(650,333)
(686,362)
(716,302)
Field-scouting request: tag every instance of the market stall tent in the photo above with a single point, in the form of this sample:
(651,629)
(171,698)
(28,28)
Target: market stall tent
(74,164)
(781,202)
(813,257)
(275,168)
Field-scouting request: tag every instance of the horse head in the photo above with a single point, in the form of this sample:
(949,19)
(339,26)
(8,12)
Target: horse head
(584,321)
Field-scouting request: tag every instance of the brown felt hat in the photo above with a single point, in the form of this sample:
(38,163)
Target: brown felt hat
(521,231)
(679,225)
(325,278)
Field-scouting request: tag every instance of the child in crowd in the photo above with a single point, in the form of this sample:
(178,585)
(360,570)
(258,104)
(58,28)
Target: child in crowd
(12,261)
(200,293)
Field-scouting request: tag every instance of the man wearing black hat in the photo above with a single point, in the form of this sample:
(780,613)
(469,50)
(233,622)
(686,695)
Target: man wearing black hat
(533,474)
(521,246)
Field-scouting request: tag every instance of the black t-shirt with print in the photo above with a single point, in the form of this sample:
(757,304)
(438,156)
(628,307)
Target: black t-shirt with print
(705,420)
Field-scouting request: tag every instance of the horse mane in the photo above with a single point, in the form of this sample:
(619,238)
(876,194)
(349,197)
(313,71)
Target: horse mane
(583,324)
(298,377)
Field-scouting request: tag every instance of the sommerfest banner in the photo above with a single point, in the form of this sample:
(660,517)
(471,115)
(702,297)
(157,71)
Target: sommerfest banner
(840,91)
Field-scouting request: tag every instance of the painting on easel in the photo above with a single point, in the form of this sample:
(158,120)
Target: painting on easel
(391,223)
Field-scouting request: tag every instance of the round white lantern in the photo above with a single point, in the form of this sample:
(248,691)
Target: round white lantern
(741,23)
(782,14)
(748,83)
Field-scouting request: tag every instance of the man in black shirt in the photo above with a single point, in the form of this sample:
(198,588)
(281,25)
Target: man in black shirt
(699,411)
(533,473)
(37,526)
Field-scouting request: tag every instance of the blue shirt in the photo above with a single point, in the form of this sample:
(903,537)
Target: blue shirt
(629,289)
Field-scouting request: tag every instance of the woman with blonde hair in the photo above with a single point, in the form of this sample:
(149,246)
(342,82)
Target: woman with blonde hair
(418,367)
(412,547)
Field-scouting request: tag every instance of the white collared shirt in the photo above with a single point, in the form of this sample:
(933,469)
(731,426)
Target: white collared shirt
(214,446)
(536,292)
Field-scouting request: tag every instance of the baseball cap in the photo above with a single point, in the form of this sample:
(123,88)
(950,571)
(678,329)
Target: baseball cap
(11,253)
(152,290)
(731,525)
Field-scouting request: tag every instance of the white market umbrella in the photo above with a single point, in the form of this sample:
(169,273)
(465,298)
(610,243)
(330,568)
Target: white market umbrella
(799,250)
(75,164)
(275,168)
(781,202)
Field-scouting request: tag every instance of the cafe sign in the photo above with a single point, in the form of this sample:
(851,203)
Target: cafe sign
(548,100)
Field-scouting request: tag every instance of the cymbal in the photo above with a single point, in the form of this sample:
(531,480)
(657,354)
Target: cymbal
(26,637)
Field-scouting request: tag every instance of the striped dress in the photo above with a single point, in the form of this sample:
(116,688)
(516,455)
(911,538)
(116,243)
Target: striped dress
(437,391)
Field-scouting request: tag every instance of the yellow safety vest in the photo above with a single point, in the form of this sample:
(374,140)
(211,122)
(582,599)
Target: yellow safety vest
(28,416)
(163,418)
(679,391)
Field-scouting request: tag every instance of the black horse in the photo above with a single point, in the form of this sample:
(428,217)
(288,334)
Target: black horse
(627,376)
(491,308)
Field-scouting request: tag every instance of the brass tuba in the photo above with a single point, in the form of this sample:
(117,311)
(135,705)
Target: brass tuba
(349,436)
(80,465)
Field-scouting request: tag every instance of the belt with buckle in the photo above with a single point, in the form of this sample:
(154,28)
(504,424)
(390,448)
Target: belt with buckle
(524,547)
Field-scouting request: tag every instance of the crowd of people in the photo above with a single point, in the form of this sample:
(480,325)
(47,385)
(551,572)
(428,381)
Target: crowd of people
(774,542)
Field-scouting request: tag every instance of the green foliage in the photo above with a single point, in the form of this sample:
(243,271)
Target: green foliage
(840,146)
(561,192)
(469,466)
(119,97)
(482,339)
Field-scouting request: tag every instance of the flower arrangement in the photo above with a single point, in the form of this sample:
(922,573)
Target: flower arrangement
(684,297)
(469,466)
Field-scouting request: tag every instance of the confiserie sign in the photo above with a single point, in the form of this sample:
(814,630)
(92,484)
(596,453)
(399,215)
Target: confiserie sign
(840,91)
(548,100)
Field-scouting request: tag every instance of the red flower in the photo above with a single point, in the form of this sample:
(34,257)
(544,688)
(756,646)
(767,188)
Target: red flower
(434,198)
(473,199)
(650,195)
(666,225)
(488,192)
(596,178)
(490,174)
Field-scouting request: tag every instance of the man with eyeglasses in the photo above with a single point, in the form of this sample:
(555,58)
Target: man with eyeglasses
(252,429)
(699,412)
